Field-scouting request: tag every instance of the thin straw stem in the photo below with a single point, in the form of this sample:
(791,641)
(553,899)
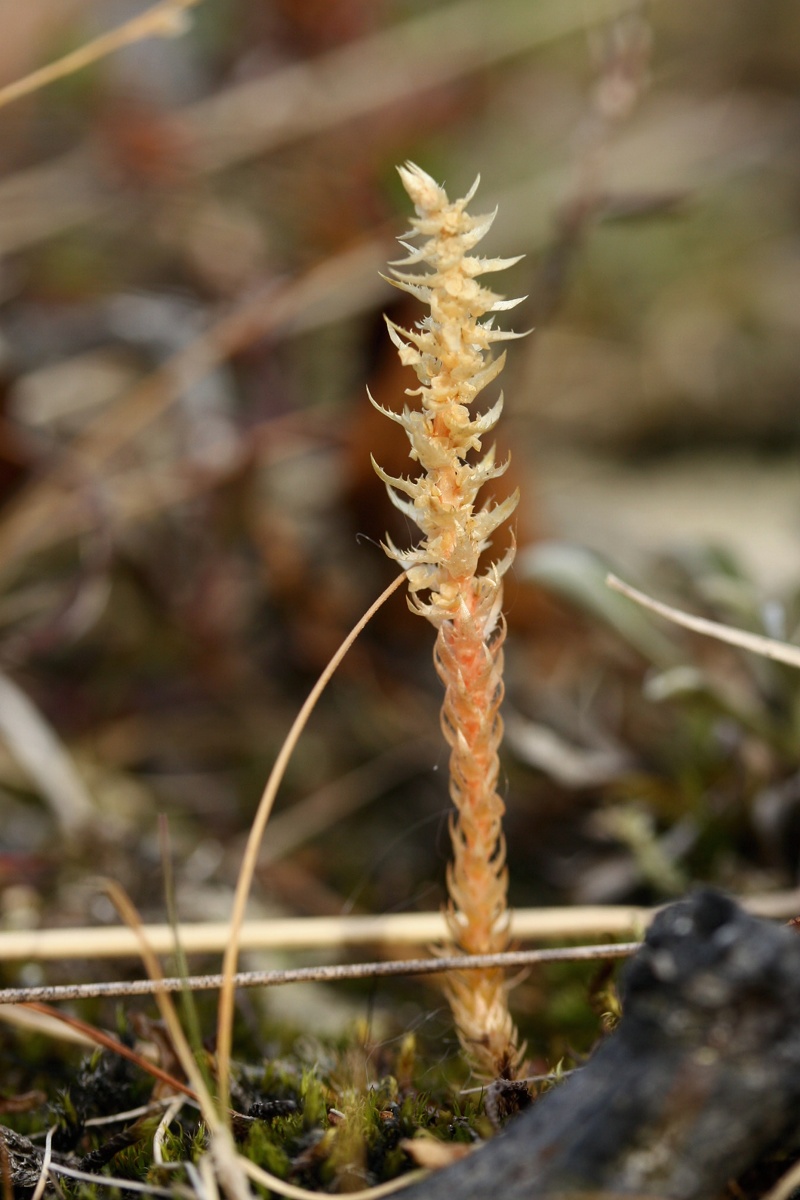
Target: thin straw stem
(783,652)
(250,859)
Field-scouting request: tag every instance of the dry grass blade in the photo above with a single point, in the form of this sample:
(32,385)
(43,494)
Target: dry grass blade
(786,1186)
(124,1185)
(227,1164)
(99,1038)
(783,652)
(160,1134)
(259,1175)
(36,747)
(165,19)
(47,1158)
(183,1050)
(28,1021)
(250,860)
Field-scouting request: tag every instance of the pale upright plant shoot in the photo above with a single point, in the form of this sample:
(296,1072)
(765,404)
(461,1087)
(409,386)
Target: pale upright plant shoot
(450,350)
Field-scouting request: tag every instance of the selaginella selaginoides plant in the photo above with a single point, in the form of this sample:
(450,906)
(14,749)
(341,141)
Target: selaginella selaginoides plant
(450,350)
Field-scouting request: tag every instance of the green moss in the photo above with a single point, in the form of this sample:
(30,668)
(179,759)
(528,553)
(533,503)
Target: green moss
(314,1101)
(265,1147)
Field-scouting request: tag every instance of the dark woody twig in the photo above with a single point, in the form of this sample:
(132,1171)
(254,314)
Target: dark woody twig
(326,974)
(698,1083)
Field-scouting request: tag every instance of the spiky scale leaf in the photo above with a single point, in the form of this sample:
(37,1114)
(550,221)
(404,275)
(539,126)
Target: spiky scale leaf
(422,293)
(478,228)
(484,377)
(398,418)
(409,486)
(397,333)
(483,266)
(503,335)
(506,305)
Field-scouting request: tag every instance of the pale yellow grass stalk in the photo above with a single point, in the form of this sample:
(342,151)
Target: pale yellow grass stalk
(247,870)
(168,18)
(451,352)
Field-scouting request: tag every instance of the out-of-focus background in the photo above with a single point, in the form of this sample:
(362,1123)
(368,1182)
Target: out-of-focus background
(191,235)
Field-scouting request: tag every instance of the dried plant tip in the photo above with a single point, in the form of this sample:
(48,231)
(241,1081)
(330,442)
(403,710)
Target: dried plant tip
(450,352)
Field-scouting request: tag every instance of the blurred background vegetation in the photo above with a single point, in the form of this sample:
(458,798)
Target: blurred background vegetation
(191,234)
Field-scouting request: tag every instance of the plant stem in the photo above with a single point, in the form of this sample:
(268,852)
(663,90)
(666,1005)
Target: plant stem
(450,351)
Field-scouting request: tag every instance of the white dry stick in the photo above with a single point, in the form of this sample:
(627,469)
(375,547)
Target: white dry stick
(47,1158)
(787,1185)
(308,933)
(783,652)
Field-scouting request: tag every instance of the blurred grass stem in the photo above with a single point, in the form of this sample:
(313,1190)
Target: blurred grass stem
(165,19)
(783,652)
